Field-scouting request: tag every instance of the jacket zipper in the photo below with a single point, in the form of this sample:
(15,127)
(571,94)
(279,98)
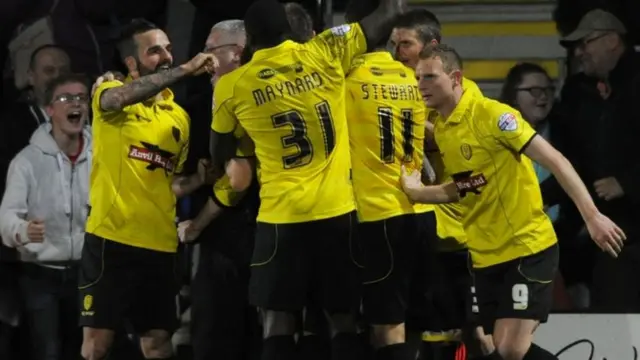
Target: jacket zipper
(73,168)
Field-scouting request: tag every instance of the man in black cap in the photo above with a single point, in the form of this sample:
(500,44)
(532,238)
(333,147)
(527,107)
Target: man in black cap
(598,125)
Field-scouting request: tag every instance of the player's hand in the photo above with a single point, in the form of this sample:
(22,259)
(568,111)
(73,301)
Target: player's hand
(108,76)
(35,232)
(411,182)
(206,172)
(200,64)
(608,188)
(609,237)
(187,231)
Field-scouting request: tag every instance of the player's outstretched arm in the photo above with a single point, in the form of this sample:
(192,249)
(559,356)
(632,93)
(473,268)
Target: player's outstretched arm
(145,87)
(603,231)
(432,194)
(371,24)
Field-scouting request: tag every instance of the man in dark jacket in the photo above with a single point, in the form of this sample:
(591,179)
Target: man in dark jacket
(600,124)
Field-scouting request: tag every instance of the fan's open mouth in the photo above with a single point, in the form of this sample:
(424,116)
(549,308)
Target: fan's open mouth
(74,116)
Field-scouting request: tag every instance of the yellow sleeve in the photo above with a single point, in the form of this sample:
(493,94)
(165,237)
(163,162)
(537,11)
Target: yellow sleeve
(507,126)
(223,120)
(341,43)
(223,195)
(98,113)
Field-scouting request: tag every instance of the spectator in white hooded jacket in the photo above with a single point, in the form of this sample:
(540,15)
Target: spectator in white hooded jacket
(43,214)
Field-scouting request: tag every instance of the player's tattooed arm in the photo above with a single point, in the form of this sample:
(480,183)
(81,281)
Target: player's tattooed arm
(141,89)
(186,184)
(386,11)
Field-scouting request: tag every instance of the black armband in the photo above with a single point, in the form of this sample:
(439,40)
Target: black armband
(222,148)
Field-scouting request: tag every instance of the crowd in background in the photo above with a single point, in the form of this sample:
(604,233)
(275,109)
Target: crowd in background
(591,119)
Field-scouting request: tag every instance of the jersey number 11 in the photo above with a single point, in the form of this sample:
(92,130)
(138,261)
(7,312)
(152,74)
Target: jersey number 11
(387,140)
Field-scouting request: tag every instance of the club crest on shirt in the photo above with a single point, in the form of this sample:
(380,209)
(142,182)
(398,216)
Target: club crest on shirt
(465,150)
(508,122)
(341,30)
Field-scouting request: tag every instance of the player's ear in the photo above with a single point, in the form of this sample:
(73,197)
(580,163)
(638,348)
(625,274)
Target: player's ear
(456,75)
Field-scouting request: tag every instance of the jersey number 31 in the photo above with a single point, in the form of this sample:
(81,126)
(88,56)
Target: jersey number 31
(299,137)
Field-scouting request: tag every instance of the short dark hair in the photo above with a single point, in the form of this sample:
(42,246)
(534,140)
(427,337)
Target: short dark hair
(65,79)
(300,21)
(34,54)
(266,23)
(450,58)
(424,22)
(126,43)
(514,78)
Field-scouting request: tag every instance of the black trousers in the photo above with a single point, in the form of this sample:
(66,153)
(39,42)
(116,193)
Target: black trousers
(50,299)
(223,324)
(616,286)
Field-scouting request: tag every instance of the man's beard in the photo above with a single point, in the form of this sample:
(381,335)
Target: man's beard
(160,68)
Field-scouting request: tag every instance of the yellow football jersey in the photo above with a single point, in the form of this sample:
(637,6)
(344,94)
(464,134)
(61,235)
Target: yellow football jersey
(290,99)
(386,116)
(503,216)
(136,151)
(449,216)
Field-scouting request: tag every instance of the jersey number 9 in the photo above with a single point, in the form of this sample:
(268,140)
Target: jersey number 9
(387,141)
(299,137)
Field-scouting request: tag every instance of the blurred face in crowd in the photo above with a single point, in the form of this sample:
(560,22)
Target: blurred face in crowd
(227,48)
(435,83)
(594,52)
(69,108)
(154,52)
(534,97)
(48,64)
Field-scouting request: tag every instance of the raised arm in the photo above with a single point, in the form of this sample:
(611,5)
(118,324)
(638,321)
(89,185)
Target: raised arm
(145,87)
(371,25)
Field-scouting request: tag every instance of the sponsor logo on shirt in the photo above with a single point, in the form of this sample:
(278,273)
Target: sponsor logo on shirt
(341,30)
(466,183)
(153,155)
(508,122)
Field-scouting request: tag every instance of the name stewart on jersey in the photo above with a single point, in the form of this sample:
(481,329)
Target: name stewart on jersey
(296,86)
(389,92)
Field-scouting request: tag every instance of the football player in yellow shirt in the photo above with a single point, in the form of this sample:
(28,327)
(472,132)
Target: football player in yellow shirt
(386,120)
(140,144)
(489,149)
(289,98)
(450,302)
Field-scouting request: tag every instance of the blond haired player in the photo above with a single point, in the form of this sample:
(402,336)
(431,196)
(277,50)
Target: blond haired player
(488,148)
